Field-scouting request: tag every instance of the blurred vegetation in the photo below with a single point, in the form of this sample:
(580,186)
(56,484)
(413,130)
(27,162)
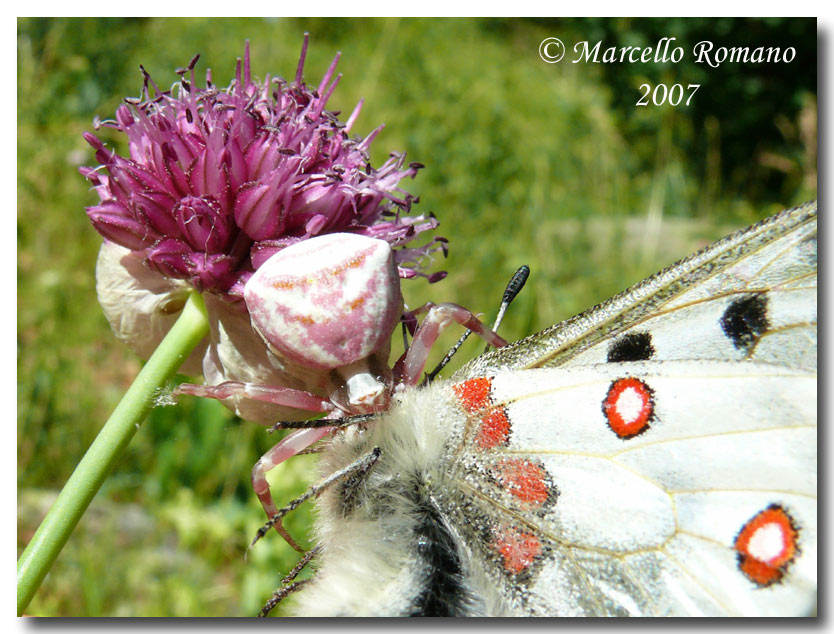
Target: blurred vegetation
(527,162)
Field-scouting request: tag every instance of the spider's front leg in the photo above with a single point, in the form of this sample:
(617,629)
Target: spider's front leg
(275,394)
(288,447)
(410,366)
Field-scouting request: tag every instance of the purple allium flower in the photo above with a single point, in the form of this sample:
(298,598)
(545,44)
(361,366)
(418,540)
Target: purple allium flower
(216,182)
(219,180)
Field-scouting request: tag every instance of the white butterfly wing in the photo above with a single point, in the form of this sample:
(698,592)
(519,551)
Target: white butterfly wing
(663,519)
(751,295)
(648,525)
(655,455)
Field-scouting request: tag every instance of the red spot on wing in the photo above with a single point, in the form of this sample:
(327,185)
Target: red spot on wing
(628,407)
(766,544)
(494,429)
(474,396)
(524,479)
(518,549)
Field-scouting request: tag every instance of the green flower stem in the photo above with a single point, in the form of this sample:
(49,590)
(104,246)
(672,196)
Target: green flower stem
(60,521)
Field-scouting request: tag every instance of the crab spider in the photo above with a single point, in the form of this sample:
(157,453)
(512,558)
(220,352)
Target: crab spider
(330,305)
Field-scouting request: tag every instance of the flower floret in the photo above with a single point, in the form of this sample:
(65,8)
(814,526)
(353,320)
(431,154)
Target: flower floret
(218,180)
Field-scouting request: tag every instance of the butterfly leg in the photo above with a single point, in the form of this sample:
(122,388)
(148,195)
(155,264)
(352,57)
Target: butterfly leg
(311,432)
(288,583)
(439,316)
(354,471)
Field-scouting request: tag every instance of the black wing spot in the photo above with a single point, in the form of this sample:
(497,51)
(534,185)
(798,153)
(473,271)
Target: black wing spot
(745,320)
(636,346)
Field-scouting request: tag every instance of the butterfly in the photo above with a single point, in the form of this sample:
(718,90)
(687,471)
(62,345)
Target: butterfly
(654,455)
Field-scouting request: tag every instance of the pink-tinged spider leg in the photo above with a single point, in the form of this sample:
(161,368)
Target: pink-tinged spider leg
(287,448)
(413,362)
(285,396)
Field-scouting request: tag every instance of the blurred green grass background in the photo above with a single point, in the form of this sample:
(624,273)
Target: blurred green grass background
(548,165)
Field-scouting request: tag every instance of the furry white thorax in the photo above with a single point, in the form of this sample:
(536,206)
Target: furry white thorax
(373,548)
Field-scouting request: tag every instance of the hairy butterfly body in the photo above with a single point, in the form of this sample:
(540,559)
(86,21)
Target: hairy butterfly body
(655,455)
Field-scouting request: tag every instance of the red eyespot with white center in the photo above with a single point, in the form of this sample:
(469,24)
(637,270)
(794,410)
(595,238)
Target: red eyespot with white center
(628,407)
(475,397)
(766,544)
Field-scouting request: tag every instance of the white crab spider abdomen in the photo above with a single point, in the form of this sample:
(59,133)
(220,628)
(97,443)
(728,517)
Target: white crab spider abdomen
(331,303)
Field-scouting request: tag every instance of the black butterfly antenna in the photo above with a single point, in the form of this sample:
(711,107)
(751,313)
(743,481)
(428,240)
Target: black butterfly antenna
(514,287)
